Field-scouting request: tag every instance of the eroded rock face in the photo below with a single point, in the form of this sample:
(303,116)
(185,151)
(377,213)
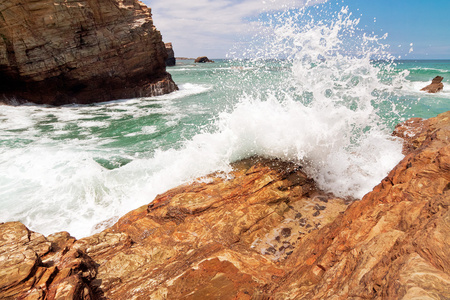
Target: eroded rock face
(170,61)
(82,51)
(265,231)
(393,244)
(35,267)
(228,237)
(435,86)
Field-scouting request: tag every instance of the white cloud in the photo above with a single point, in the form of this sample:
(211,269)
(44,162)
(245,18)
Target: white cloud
(212,27)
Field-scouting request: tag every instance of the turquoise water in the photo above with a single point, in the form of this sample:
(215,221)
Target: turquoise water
(421,72)
(72,167)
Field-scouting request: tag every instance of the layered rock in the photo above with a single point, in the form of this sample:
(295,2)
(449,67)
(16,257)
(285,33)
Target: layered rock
(435,86)
(264,231)
(203,59)
(393,244)
(35,267)
(170,61)
(82,51)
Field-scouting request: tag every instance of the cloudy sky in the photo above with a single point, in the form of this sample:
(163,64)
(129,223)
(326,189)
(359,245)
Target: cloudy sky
(214,27)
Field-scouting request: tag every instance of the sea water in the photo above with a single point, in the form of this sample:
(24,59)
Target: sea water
(316,93)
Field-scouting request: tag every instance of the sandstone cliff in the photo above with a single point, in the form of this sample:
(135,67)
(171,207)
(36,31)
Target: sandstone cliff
(263,232)
(81,51)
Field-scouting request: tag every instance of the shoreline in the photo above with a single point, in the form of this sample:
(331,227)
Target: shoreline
(267,230)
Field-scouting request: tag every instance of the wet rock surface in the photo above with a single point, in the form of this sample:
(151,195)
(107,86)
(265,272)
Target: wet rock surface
(35,267)
(263,231)
(393,244)
(82,51)
(223,235)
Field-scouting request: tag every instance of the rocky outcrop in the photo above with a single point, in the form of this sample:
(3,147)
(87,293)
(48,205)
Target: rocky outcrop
(264,231)
(203,59)
(81,51)
(435,86)
(393,244)
(170,61)
(35,267)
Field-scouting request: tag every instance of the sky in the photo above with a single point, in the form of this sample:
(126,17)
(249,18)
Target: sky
(214,27)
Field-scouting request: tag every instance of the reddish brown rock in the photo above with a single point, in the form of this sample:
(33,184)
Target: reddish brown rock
(435,86)
(393,244)
(263,231)
(35,267)
(203,59)
(82,51)
(228,237)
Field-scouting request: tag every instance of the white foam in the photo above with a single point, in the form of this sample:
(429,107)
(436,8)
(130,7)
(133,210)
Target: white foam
(329,122)
(186,89)
(414,87)
(322,116)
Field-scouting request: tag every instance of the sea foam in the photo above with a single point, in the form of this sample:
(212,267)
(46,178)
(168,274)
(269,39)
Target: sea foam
(319,106)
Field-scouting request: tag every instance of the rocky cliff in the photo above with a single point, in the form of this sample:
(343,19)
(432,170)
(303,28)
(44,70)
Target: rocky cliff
(171,60)
(80,51)
(262,232)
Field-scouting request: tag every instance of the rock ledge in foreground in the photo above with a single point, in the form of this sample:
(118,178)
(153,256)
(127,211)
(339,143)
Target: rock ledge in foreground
(263,232)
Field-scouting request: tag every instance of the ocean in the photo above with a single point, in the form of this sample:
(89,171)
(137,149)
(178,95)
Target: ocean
(303,96)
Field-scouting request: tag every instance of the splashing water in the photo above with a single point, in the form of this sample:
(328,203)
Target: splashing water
(327,116)
(311,93)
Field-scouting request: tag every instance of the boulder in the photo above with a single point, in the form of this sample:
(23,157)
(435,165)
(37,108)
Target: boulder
(435,86)
(170,61)
(203,59)
(35,267)
(80,51)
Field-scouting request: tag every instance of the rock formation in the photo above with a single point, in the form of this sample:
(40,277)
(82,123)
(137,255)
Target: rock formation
(35,267)
(80,51)
(203,59)
(264,231)
(435,86)
(170,61)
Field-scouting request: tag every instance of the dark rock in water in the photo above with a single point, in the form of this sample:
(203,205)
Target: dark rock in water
(170,61)
(435,86)
(80,51)
(203,59)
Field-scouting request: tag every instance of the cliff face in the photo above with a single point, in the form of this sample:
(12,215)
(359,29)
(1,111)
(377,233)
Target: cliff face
(263,232)
(81,51)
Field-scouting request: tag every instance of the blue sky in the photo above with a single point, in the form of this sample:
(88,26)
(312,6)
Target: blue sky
(213,27)
(426,24)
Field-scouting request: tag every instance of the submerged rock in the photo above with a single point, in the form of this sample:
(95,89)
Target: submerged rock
(81,51)
(265,231)
(170,61)
(435,86)
(203,59)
